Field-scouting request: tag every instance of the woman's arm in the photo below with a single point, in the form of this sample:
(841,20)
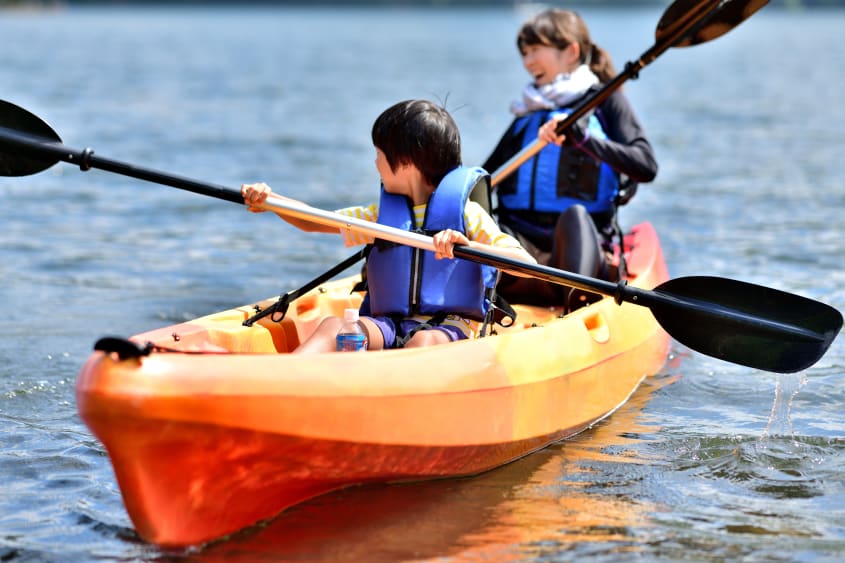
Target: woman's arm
(627,149)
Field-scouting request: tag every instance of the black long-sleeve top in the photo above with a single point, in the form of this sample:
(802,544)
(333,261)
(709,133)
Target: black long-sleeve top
(626,149)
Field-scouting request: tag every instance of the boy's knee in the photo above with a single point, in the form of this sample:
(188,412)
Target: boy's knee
(426,338)
(330,325)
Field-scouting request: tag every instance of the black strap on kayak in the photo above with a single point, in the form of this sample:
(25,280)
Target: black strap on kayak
(280,308)
(500,312)
(627,190)
(127,349)
(623,264)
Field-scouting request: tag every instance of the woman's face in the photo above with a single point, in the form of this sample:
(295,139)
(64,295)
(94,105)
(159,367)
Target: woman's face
(544,62)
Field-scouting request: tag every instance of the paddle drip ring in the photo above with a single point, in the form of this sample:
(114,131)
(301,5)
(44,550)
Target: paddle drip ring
(85,159)
(619,294)
(633,70)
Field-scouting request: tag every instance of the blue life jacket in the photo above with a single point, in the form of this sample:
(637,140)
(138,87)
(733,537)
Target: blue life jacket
(559,177)
(405,281)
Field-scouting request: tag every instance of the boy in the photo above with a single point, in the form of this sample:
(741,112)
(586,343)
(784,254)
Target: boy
(418,156)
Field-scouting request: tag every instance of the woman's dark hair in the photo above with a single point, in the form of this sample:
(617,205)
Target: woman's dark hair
(420,133)
(558,28)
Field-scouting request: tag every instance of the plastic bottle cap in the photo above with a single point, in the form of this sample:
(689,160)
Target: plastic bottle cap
(350,315)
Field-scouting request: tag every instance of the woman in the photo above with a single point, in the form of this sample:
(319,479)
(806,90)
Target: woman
(561,204)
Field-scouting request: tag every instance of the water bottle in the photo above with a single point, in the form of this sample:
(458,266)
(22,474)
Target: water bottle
(351,336)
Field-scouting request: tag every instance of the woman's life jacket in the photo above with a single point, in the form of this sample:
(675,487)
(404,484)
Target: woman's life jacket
(406,281)
(559,177)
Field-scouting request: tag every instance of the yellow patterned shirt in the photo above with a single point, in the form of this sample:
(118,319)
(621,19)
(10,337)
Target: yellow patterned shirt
(480,228)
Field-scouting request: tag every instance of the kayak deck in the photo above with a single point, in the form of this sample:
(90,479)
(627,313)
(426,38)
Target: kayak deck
(230,430)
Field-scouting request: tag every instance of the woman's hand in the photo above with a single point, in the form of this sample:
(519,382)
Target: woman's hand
(254,195)
(547,131)
(575,136)
(445,241)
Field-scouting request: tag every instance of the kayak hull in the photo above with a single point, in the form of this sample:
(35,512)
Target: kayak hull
(226,429)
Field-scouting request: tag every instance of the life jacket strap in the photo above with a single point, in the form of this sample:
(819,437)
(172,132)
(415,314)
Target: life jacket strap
(433,322)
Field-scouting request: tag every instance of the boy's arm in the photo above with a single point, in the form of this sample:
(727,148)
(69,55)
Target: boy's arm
(256,194)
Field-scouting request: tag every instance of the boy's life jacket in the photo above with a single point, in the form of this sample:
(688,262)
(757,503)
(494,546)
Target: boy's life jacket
(406,281)
(559,177)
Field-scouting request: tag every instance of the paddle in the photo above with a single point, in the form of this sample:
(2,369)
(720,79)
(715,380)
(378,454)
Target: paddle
(684,23)
(746,324)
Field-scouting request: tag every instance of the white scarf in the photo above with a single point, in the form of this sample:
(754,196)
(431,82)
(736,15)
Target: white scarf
(564,89)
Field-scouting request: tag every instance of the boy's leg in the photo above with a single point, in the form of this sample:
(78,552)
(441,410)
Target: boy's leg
(323,338)
(440,334)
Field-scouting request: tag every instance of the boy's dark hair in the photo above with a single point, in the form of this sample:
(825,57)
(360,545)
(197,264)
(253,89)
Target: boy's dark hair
(420,133)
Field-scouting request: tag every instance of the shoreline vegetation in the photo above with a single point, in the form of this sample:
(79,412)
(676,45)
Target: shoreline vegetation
(56,4)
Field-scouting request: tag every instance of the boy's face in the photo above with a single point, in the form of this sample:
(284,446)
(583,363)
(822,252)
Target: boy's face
(394,182)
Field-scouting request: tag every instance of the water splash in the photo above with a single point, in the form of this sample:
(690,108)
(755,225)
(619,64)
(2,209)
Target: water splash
(780,419)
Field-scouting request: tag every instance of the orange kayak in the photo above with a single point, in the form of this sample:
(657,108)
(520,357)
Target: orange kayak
(218,428)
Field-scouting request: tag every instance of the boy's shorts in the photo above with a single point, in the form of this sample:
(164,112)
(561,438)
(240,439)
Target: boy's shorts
(391,332)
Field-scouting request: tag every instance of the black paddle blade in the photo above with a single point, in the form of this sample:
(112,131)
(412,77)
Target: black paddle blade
(723,16)
(746,324)
(15,120)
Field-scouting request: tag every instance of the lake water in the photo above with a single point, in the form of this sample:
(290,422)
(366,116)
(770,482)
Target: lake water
(708,461)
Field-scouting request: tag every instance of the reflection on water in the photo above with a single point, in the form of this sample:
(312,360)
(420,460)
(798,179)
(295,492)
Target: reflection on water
(555,500)
(577,500)
(740,492)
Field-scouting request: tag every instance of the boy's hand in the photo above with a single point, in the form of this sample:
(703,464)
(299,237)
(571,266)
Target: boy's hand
(444,242)
(254,195)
